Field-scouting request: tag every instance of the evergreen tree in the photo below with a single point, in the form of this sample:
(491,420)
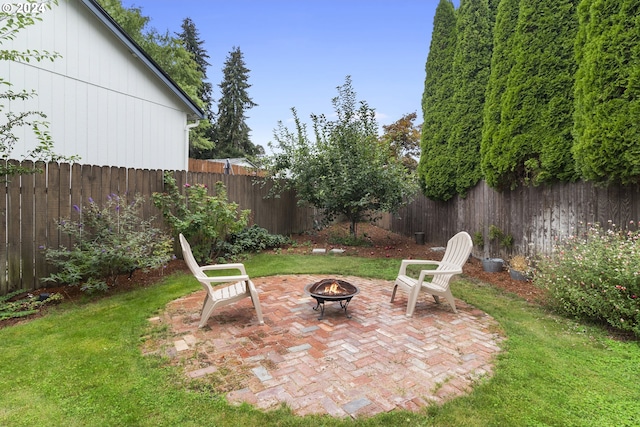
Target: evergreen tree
(471,66)
(201,138)
(534,134)
(190,36)
(607,92)
(502,60)
(232,130)
(434,169)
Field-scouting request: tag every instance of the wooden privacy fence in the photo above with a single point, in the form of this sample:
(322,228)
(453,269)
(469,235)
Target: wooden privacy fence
(33,205)
(536,217)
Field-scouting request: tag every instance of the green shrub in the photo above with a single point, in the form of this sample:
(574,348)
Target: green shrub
(108,241)
(596,276)
(255,239)
(205,221)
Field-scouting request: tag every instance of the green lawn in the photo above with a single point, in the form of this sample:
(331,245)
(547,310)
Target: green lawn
(81,365)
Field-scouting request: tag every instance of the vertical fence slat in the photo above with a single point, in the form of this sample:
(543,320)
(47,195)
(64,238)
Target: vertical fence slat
(41,204)
(4,285)
(13,235)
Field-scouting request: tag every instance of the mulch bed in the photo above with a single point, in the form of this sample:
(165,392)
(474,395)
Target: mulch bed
(381,244)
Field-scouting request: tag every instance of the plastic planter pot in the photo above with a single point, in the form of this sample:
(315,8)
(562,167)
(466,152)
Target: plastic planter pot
(493,265)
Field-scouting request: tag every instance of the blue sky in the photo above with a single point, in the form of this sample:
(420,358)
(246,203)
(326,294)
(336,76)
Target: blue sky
(300,51)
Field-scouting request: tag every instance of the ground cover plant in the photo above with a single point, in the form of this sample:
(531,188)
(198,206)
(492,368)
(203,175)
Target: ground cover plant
(81,364)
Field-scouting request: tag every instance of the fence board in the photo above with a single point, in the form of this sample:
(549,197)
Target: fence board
(40,229)
(26,229)
(14,279)
(3,238)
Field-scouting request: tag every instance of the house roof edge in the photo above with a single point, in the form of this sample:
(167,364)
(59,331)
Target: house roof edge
(118,31)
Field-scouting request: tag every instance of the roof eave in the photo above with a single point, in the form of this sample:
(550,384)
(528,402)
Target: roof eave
(195,111)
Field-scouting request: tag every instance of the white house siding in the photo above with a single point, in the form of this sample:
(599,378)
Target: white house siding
(103,104)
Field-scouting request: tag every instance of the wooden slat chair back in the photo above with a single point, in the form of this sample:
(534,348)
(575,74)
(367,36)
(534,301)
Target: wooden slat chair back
(455,256)
(219,296)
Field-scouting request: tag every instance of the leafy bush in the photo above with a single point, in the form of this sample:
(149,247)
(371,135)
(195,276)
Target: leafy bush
(255,239)
(596,276)
(108,241)
(206,221)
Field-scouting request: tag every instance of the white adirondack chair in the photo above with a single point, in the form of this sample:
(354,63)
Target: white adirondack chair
(220,296)
(455,256)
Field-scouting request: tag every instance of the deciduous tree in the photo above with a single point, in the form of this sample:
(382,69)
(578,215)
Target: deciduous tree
(403,139)
(343,171)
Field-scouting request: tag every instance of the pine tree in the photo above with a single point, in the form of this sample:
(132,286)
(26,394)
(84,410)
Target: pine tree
(201,139)
(534,134)
(434,170)
(607,92)
(232,130)
(471,66)
(192,42)
(502,60)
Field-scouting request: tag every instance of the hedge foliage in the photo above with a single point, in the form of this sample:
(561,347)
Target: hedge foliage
(607,91)
(548,93)
(435,172)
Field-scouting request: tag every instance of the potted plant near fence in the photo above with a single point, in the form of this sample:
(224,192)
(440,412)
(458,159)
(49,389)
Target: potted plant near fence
(497,239)
(519,268)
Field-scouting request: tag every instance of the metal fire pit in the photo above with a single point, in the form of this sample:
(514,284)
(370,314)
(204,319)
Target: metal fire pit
(331,290)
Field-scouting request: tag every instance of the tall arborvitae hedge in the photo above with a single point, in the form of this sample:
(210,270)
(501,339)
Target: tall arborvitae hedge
(502,59)
(435,171)
(532,143)
(471,66)
(607,91)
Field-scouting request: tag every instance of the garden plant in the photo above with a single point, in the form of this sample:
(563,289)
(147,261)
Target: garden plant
(107,240)
(595,276)
(206,221)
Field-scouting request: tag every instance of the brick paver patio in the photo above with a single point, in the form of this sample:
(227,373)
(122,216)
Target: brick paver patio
(377,361)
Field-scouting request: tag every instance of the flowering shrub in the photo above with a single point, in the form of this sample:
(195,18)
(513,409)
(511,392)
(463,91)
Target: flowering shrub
(206,221)
(107,241)
(596,276)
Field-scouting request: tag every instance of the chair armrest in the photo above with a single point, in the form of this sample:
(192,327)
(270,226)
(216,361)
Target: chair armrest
(448,269)
(223,279)
(236,266)
(407,262)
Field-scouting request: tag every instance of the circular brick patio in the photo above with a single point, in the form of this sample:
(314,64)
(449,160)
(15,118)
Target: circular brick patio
(377,361)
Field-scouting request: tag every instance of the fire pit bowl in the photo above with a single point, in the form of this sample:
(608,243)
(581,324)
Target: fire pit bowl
(331,290)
